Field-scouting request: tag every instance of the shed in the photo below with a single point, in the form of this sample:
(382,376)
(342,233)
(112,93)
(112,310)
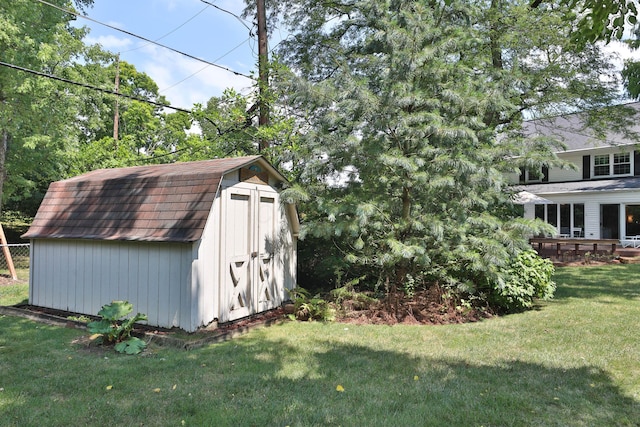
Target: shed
(185,243)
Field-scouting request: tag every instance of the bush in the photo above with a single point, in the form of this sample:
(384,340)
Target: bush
(115,328)
(309,308)
(527,277)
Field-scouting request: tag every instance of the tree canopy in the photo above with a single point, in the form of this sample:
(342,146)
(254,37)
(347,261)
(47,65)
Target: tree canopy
(412,113)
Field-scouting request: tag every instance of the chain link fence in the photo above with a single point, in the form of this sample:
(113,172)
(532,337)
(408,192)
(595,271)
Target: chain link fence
(19,255)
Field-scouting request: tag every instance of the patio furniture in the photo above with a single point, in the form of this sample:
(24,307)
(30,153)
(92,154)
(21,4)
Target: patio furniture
(630,241)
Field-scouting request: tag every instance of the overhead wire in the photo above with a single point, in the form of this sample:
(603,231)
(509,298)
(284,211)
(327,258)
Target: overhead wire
(205,67)
(171,32)
(242,21)
(92,87)
(237,73)
(219,131)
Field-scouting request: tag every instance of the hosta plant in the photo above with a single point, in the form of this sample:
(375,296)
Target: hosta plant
(115,327)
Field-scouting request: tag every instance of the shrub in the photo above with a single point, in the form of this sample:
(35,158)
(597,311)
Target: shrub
(307,307)
(527,277)
(115,328)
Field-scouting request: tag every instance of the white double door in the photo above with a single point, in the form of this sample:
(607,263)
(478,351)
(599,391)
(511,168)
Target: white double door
(249,245)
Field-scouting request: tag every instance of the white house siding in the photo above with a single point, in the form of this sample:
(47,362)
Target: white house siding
(592,202)
(83,275)
(562,175)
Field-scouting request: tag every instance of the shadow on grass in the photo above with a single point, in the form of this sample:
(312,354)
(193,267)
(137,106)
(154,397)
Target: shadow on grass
(622,281)
(258,380)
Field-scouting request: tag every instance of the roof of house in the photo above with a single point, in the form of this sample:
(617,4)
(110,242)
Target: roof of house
(570,129)
(616,184)
(169,202)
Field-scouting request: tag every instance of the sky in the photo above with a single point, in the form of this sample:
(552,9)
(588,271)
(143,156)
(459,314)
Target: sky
(189,26)
(198,29)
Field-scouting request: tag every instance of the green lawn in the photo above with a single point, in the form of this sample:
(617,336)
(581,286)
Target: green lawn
(574,361)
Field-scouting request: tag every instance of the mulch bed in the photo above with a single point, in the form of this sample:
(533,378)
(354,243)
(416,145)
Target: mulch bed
(430,307)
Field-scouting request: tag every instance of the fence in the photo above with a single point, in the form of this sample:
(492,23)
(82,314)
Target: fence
(19,254)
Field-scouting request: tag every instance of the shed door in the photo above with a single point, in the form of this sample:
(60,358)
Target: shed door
(249,284)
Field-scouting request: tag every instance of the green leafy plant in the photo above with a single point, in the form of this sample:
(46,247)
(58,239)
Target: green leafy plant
(528,277)
(307,307)
(346,297)
(115,327)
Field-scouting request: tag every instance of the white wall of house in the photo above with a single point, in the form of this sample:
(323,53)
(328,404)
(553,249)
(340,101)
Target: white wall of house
(83,275)
(592,203)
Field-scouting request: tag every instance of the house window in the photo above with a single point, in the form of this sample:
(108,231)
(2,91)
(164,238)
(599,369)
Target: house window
(601,165)
(612,164)
(621,163)
(632,216)
(534,175)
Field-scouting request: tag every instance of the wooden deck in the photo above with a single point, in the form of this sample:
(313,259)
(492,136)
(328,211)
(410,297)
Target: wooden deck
(573,247)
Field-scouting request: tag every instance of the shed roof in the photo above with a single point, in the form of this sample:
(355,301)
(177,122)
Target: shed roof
(169,202)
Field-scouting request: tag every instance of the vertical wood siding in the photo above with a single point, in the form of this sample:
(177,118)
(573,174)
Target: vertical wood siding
(174,284)
(81,276)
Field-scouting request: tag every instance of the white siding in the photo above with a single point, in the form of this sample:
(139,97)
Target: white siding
(592,202)
(206,268)
(562,175)
(81,276)
(174,284)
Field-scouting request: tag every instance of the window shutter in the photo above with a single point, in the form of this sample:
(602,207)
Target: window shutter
(586,167)
(636,162)
(545,174)
(521,175)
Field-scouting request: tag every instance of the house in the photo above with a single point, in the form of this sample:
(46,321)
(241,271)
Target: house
(186,243)
(600,199)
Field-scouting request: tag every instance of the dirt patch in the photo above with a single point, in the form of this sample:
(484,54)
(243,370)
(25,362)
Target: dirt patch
(430,307)
(6,280)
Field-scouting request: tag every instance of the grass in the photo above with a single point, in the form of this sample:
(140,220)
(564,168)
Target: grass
(574,361)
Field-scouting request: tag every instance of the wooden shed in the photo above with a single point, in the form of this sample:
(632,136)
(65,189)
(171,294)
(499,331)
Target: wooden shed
(186,243)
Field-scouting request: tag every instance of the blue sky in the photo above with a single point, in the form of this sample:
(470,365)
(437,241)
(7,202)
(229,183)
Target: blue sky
(198,29)
(190,26)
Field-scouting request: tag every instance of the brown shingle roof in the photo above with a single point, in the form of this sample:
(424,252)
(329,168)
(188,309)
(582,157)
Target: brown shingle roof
(168,202)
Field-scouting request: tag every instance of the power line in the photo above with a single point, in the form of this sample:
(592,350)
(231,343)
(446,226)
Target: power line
(220,131)
(242,21)
(171,32)
(237,73)
(88,86)
(203,68)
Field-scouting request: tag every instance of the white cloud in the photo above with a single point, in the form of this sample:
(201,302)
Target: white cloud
(201,82)
(110,42)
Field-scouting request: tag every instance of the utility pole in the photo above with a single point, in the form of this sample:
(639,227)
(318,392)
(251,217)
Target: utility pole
(116,114)
(263,70)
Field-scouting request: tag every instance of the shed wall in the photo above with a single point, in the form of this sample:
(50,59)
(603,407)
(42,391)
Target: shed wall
(83,275)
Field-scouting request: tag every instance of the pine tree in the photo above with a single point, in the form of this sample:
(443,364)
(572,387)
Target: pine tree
(410,108)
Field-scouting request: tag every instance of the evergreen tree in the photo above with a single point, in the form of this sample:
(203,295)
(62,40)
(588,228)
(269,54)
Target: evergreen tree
(412,116)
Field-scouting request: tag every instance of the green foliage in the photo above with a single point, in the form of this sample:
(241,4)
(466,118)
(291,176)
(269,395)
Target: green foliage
(410,120)
(347,297)
(114,329)
(307,307)
(527,278)
(601,19)
(131,345)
